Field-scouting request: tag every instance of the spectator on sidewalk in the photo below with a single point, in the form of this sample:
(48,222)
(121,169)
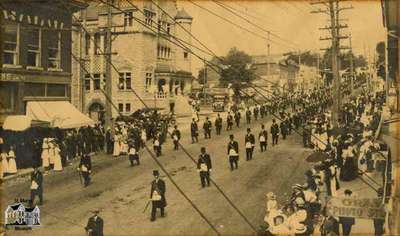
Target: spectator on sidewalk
(347,222)
(12,165)
(4,162)
(379,223)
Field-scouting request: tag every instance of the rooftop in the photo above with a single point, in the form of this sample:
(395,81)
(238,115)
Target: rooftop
(182,14)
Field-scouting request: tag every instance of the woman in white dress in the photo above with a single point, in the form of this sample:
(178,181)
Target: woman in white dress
(57,158)
(4,163)
(45,154)
(12,165)
(117,146)
(51,152)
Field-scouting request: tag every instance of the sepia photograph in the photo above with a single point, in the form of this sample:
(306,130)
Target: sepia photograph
(199,117)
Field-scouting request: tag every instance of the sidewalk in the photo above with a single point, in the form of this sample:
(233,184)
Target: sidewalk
(183,122)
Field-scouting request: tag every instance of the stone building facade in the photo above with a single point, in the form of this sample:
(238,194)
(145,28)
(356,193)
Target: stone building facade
(143,59)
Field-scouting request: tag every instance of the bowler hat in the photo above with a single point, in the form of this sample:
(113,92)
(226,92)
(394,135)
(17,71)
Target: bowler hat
(156,173)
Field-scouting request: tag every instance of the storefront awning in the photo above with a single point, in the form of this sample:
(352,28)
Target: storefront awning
(21,123)
(61,114)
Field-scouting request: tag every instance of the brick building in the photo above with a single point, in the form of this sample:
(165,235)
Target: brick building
(155,68)
(276,71)
(36,55)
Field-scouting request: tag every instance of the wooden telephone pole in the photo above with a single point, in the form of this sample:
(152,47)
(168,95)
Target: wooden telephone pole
(351,67)
(108,113)
(332,10)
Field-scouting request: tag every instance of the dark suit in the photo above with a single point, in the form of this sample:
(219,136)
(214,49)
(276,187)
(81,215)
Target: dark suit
(249,138)
(159,186)
(95,224)
(194,131)
(347,223)
(229,122)
(86,162)
(263,144)
(176,136)
(218,125)
(37,176)
(274,133)
(233,159)
(204,175)
(207,129)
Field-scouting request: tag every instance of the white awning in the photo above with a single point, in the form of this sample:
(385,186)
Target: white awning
(61,114)
(17,123)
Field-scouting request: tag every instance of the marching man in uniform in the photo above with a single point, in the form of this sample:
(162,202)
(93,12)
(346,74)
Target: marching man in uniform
(274,132)
(85,168)
(233,152)
(248,115)
(218,124)
(263,137)
(249,141)
(94,226)
(207,128)
(194,131)
(157,195)
(229,121)
(133,155)
(204,167)
(176,136)
(157,145)
(36,186)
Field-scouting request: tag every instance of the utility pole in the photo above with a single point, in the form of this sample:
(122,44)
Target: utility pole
(351,67)
(318,72)
(108,114)
(332,10)
(204,76)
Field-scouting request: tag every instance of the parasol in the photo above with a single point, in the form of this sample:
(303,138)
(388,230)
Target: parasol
(317,157)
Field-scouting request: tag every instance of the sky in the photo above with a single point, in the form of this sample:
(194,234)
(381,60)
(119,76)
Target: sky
(292,25)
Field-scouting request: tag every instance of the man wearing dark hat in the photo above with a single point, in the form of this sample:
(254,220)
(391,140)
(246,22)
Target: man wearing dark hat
(94,226)
(218,124)
(229,121)
(157,195)
(347,222)
(207,128)
(204,167)
(176,136)
(263,137)
(36,186)
(194,131)
(233,152)
(248,115)
(85,168)
(249,141)
(237,118)
(274,132)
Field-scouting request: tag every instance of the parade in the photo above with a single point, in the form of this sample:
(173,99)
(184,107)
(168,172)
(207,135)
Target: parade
(123,118)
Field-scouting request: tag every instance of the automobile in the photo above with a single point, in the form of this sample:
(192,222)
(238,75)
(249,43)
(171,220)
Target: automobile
(219,102)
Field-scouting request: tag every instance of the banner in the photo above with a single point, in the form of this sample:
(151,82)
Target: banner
(365,208)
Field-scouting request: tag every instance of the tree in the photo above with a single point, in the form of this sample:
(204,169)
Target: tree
(236,68)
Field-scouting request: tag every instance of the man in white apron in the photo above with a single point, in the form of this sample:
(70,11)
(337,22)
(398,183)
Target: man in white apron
(233,152)
(249,141)
(204,167)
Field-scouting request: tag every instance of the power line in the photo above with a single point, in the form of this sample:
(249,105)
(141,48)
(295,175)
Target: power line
(237,25)
(223,5)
